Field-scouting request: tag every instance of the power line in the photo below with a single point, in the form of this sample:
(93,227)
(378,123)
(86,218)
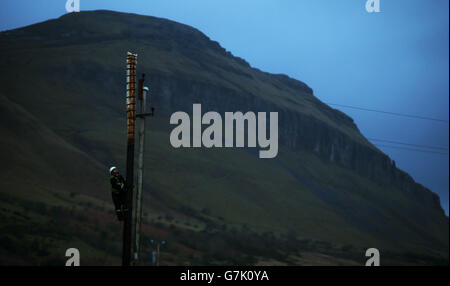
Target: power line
(410,149)
(410,144)
(397,142)
(388,112)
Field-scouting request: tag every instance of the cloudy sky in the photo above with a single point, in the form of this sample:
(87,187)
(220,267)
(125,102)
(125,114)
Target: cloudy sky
(394,61)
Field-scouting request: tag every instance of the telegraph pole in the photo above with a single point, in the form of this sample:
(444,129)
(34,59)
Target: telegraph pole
(131,123)
(158,244)
(140,171)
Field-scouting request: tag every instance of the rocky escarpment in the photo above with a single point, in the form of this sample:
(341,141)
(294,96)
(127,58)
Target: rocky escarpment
(297,131)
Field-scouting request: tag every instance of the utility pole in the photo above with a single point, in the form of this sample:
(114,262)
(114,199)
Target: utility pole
(131,122)
(140,171)
(158,244)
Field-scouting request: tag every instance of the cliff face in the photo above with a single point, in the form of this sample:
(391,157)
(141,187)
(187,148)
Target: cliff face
(297,131)
(328,174)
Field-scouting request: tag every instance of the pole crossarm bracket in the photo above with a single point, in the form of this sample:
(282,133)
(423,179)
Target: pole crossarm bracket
(142,115)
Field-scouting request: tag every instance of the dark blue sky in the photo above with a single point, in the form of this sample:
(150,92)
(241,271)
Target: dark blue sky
(396,60)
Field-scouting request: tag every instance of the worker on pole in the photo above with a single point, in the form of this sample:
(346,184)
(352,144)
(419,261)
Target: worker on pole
(118,191)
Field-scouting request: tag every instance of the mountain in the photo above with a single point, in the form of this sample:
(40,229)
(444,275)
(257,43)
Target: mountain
(327,197)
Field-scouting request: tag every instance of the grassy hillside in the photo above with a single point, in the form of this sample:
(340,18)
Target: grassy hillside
(62,111)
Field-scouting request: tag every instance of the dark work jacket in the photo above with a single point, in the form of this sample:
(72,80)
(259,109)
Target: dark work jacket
(117,184)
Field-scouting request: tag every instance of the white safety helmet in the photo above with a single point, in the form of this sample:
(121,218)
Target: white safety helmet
(112,169)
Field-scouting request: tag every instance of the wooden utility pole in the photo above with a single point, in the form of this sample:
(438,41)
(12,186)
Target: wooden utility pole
(131,123)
